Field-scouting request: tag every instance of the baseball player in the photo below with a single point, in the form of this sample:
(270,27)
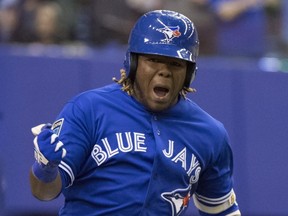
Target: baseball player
(139,146)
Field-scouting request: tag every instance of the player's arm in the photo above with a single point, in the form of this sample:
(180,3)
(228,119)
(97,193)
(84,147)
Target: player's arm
(45,179)
(215,195)
(45,191)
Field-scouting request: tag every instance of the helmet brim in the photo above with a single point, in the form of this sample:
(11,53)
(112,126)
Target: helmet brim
(169,50)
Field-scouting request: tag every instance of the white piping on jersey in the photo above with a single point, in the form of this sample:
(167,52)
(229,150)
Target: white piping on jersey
(68,170)
(221,204)
(214,201)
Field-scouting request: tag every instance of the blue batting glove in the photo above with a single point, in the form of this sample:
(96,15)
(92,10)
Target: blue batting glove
(48,149)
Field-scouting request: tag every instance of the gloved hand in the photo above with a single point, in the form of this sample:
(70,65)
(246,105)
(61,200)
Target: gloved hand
(48,149)
(48,152)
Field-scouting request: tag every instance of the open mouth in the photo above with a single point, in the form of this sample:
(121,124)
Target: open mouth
(161,91)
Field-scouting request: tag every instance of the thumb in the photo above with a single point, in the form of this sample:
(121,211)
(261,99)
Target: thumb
(37,129)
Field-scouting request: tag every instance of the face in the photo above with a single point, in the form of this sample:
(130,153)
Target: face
(158,81)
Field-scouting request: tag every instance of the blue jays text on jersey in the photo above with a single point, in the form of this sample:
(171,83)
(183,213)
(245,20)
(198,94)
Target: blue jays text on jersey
(122,158)
(137,144)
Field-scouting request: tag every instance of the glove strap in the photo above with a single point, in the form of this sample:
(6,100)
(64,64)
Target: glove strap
(45,173)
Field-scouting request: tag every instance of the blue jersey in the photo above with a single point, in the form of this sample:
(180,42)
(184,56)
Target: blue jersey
(125,160)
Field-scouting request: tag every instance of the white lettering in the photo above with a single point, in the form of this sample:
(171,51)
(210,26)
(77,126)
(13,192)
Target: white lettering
(181,156)
(98,154)
(194,163)
(139,140)
(194,169)
(194,178)
(170,149)
(120,142)
(108,148)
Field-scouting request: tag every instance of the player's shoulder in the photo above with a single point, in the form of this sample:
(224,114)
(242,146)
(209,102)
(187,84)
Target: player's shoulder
(95,99)
(215,127)
(98,94)
(213,132)
(104,90)
(197,110)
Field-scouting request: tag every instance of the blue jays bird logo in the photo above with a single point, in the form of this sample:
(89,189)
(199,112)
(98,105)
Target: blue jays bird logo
(170,32)
(178,200)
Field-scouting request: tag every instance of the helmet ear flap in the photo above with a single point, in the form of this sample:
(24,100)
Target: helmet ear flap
(190,74)
(133,66)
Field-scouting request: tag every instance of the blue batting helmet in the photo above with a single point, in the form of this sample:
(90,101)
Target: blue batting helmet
(165,33)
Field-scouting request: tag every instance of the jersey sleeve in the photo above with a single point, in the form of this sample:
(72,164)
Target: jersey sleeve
(215,194)
(73,132)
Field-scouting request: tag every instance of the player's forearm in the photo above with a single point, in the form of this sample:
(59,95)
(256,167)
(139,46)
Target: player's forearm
(45,191)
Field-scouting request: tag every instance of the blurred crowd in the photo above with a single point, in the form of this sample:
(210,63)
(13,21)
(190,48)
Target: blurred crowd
(225,27)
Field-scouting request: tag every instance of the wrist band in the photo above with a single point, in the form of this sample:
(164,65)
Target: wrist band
(44,173)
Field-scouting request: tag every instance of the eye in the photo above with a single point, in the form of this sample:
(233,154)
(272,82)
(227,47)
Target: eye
(172,62)
(180,64)
(154,60)
(176,64)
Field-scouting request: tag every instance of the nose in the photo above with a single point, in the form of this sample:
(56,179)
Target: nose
(164,70)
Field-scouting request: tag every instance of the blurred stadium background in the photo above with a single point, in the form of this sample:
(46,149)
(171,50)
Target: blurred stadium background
(52,50)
